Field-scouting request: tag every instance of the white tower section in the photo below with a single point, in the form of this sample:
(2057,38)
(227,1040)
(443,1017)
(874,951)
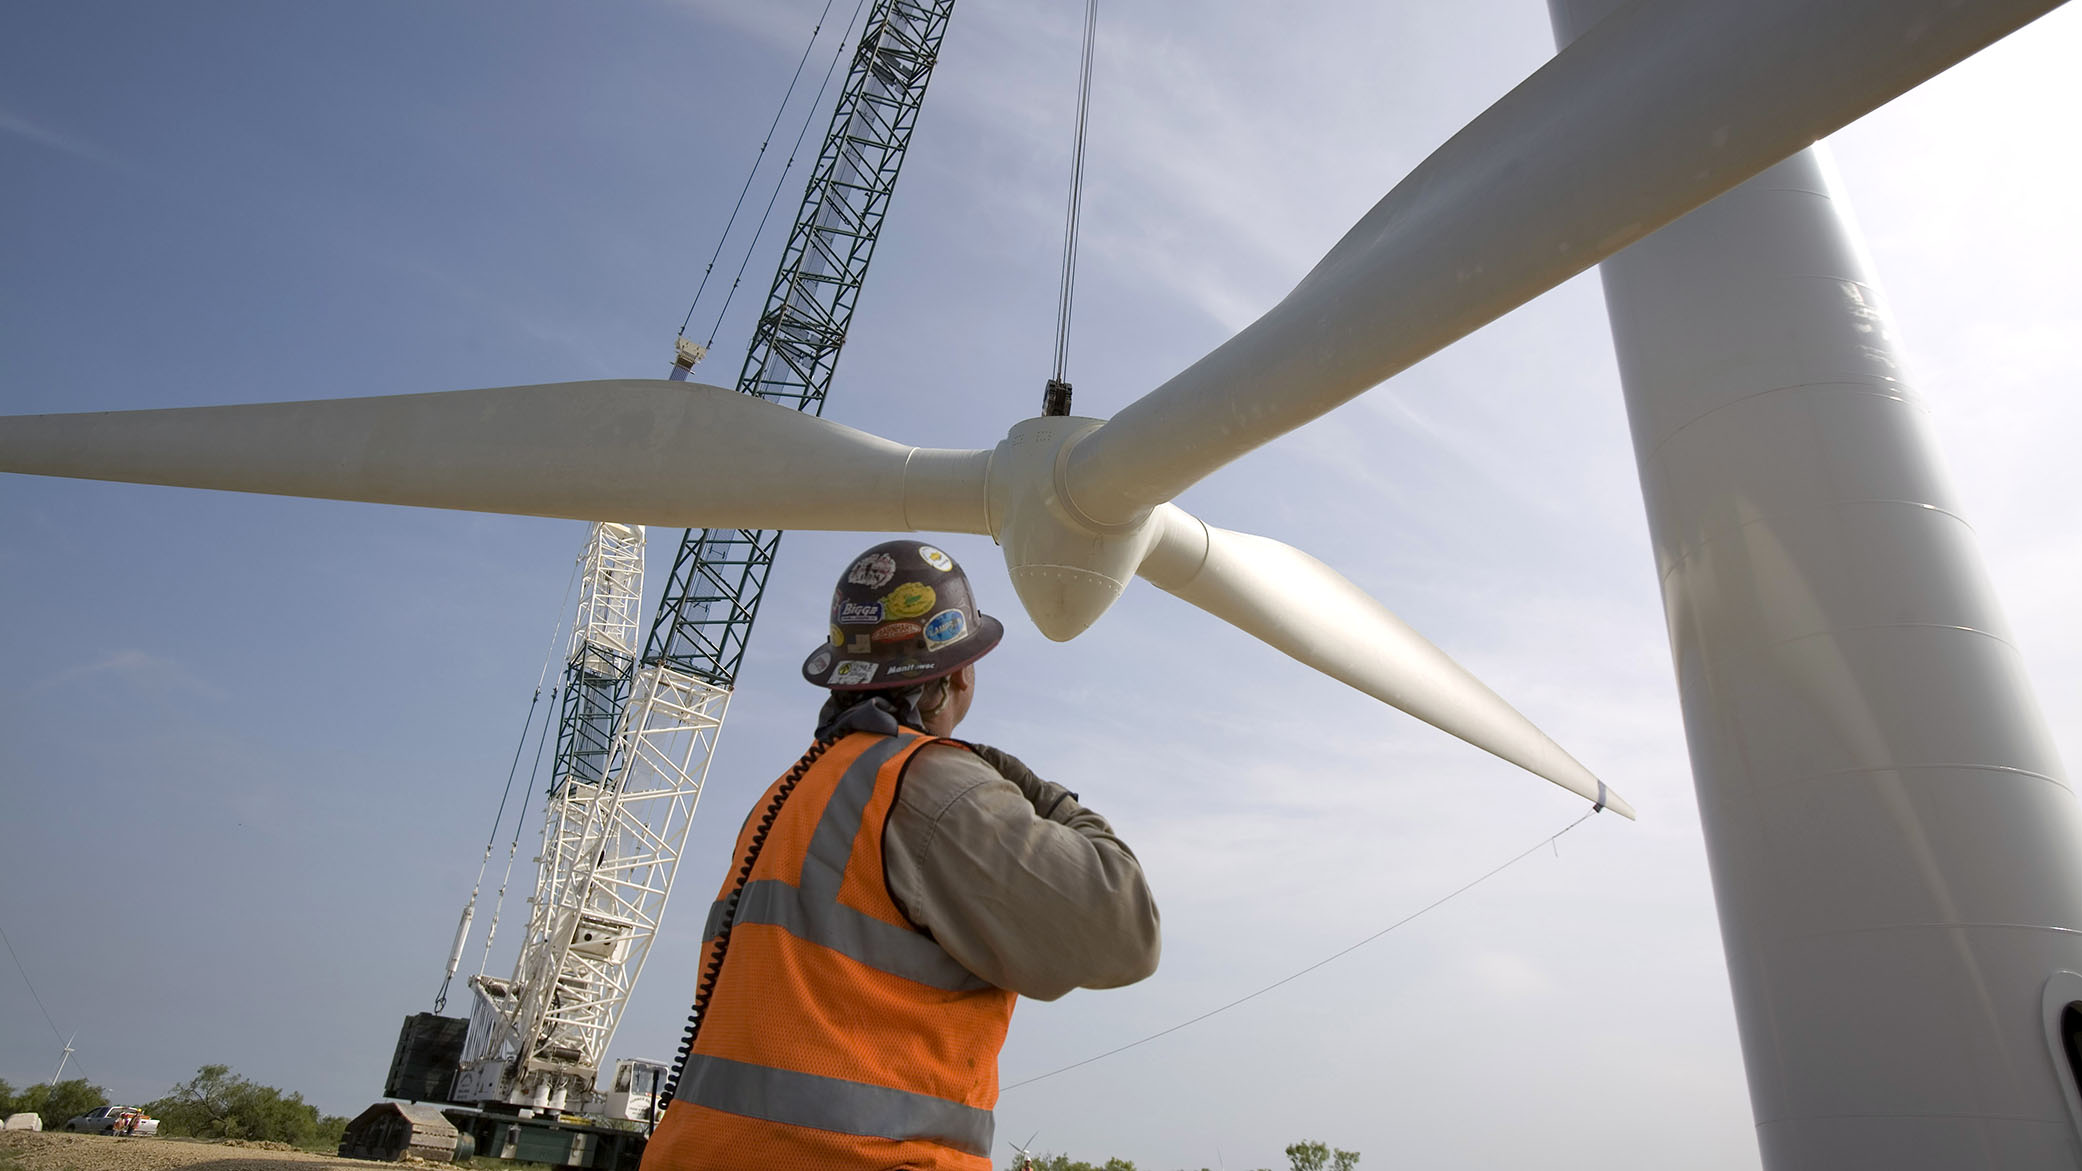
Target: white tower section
(1896,855)
(611,847)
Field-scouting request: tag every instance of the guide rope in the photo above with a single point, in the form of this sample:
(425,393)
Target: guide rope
(1336,955)
(70,1052)
(1055,400)
(756,160)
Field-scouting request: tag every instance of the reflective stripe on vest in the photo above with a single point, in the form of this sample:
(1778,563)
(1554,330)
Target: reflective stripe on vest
(813,911)
(810,910)
(821,919)
(828,1103)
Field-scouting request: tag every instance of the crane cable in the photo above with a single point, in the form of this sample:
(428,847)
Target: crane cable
(491,932)
(1055,400)
(1551,839)
(782,178)
(756,160)
(491,839)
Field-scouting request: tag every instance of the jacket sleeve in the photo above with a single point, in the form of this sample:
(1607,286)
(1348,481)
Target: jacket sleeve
(1035,904)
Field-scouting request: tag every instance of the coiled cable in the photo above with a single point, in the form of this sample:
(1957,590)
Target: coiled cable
(714,968)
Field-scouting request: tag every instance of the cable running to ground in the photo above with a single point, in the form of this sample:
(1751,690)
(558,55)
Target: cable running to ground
(793,151)
(39,1001)
(1430,906)
(756,160)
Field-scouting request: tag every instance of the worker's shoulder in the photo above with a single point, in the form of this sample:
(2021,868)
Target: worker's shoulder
(952,762)
(944,773)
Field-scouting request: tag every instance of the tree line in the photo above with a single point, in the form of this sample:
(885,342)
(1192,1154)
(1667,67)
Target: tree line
(214,1104)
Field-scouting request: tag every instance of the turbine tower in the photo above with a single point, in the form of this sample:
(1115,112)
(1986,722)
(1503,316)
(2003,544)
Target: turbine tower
(1894,847)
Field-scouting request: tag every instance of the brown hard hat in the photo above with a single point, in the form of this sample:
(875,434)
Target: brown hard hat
(902,614)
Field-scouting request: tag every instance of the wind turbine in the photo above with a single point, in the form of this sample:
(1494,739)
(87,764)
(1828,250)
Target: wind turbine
(1080,506)
(64,1056)
(1025,1151)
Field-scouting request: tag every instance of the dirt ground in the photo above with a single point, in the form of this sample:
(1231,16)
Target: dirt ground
(33,1151)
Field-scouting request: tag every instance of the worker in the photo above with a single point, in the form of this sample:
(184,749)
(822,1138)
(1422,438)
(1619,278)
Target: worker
(890,897)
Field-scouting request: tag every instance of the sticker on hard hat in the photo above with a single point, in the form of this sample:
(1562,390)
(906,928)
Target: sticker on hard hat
(860,644)
(853,673)
(858,613)
(818,663)
(838,637)
(910,668)
(936,559)
(945,627)
(872,571)
(896,632)
(908,600)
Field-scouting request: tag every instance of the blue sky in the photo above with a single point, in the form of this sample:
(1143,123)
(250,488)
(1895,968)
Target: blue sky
(250,748)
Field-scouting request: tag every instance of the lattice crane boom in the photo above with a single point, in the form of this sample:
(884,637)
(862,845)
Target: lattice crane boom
(636,735)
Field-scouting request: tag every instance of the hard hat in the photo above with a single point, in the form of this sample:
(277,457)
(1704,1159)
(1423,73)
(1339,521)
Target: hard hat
(902,615)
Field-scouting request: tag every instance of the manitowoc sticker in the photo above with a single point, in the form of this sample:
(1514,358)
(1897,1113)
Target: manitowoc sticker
(936,559)
(872,571)
(946,626)
(852,673)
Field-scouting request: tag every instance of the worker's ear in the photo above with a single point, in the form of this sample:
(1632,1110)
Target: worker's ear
(964,679)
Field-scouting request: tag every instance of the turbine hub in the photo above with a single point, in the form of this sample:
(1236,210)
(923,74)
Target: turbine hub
(1066,568)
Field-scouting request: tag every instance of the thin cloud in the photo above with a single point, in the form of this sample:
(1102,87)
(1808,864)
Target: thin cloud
(23,128)
(146,672)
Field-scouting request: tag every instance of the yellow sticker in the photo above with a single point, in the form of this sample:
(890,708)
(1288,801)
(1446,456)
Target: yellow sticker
(838,637)
(908,600)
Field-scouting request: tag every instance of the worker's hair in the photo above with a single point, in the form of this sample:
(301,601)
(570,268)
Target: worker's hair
(934,694)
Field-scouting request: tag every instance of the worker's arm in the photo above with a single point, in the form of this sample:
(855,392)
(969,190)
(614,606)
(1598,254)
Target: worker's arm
(1039,905)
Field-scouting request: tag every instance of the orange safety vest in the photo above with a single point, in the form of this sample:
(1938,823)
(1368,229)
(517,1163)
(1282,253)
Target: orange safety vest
(838,1034)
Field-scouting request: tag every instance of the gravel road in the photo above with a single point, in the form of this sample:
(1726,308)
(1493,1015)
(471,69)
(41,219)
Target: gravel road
(33,1151)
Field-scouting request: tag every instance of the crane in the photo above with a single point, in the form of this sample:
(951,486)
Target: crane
(635,734)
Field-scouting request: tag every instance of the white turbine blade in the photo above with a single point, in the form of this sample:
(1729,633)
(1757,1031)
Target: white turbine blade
(637,451)
(1307,610)
(1659,108)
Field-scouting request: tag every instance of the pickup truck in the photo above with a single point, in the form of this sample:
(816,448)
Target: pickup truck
(118,1120)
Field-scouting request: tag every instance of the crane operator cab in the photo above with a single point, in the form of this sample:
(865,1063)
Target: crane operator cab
(634,1095)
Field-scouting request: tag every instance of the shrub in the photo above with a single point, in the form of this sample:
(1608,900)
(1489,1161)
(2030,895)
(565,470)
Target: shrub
(218,1104)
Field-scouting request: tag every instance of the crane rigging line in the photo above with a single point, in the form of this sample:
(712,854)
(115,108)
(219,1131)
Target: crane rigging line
(491,839)
(808,118)
(556,635)
(756,160)
(1073,216)
(513,849)
(1456,892)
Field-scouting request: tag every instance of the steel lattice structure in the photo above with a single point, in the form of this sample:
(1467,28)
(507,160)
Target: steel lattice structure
(542,1033)
(712,596)
(634,740)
